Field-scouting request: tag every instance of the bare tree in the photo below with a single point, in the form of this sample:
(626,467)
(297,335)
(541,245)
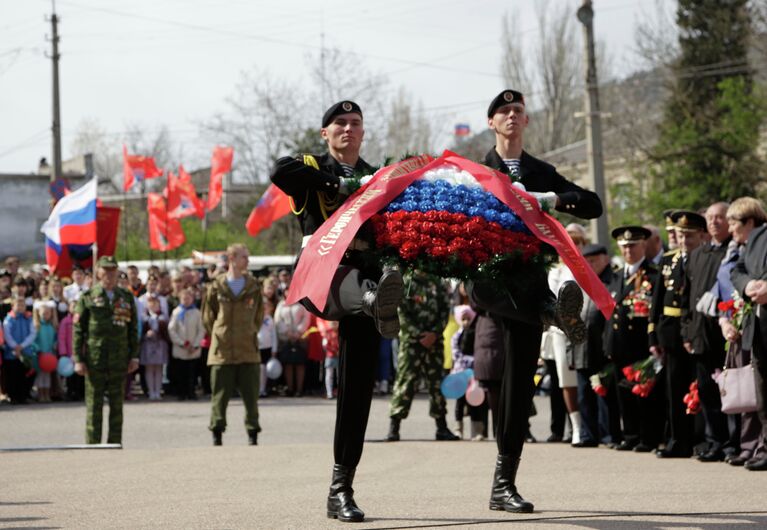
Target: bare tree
(549,75)
(92,137)
(407,130)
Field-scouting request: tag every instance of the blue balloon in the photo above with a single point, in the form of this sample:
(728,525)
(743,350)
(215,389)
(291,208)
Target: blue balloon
(65,367)
(467,374)
(454,385)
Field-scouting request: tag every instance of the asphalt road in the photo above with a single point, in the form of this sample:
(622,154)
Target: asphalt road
(169,476)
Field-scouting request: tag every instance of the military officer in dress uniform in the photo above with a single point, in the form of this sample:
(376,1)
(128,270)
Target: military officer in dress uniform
(524,315)
(423,317)
(625,338)
(362,297)
(666,332)
(105,349)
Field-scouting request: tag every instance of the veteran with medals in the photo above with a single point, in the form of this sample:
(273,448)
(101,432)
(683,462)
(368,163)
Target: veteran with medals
(666,331)
(626,341)
(105,349)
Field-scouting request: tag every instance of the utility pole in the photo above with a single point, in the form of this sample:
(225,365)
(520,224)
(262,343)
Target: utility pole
(599,231)
(56,126)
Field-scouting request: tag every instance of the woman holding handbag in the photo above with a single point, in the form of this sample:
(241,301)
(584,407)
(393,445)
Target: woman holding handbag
(744,329)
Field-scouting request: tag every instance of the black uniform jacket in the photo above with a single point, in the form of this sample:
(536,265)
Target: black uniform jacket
(309,186)
(701,330)
(667,307)
(625,337)
(538,176)
(752,265)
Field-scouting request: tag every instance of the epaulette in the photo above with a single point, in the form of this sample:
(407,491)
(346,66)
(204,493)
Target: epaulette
(672,252)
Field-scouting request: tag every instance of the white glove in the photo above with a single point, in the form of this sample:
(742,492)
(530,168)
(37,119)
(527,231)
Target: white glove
(519,185)
(548,198)
(364,180)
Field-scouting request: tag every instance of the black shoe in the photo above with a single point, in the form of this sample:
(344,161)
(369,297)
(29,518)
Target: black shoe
(756,464)
(443,433)
(567,312)
(625,445)
(737,460)
(218,437)
(643,448)
(393,435)
(554,438)
(252,437)
(504,495)
(381,303)
(341,503)
(673,453)
(714,455)
(586,443)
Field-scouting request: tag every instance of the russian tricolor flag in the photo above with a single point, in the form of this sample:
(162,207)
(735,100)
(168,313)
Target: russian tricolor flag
(73,219)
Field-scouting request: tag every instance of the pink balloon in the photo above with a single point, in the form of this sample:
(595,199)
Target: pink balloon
(475,394)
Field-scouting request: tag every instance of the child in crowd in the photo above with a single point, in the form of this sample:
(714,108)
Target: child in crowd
(154,346)
(64,339)
(329,331)
(19,333)
(463,359)
(267,342)
(46,324)
(186,333)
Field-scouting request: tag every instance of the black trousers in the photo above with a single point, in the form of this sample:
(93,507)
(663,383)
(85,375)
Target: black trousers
(186,376)
(759,361)
(522,342)
(557,400)
(359,343)
(643,418)
(679,374)
(717,433)
(14,375)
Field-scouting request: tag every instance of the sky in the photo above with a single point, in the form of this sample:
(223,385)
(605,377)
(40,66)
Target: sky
(174,62)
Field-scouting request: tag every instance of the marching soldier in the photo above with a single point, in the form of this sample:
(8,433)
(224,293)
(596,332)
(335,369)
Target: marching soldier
(362,297)
(625,338)
(423,317)
(105,348)
(666,331)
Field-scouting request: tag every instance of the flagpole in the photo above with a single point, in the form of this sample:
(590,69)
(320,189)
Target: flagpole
(95,247)
(143,196)
(126,254)
(165,251)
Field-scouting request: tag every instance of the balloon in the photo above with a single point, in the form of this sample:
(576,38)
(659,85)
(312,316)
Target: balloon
(65,367)
(467,374)
(47,362)
(475,394)
(273,368)
(454,386)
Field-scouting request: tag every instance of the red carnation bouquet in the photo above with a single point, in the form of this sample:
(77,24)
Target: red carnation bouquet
(600,381)
(735,310)
(692,399)
(641,376)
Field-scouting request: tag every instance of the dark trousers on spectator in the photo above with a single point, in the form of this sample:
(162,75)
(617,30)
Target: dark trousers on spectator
(14,374)
(558,409)
(186,377)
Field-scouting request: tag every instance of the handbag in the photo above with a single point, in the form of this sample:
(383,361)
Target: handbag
(737,389)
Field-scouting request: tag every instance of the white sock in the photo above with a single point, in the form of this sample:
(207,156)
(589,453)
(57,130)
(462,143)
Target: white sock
(575,419)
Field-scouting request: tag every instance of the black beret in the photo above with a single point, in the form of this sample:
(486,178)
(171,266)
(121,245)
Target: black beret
(504,98)
(630,234)
(688,221)
(594,249)
(342,107)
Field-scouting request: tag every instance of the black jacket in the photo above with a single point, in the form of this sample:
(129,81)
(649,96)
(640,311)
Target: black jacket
(701,330)
(625,338)
(667,307)
(752,265)
(305,184)
(591,355)
(541,177)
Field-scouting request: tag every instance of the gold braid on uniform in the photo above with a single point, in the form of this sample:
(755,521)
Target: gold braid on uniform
(326,203)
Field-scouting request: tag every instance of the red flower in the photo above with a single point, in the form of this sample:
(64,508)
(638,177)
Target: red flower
(628,372)
(726,306)
(600,390)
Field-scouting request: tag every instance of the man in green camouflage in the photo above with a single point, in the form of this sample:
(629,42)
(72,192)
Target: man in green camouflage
(105,349)
(423,317)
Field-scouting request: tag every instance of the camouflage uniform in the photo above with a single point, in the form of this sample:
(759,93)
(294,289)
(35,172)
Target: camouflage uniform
(426,308)
(105,340)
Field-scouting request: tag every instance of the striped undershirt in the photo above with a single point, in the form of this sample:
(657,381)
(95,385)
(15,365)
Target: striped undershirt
(348,169)
(513,165)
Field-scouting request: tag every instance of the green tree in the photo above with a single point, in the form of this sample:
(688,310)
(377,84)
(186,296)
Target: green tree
(707,147)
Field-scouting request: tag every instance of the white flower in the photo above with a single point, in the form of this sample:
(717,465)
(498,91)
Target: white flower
(452,175)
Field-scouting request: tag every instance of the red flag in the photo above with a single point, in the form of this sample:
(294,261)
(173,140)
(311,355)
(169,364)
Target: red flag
(182,197)
(137,168)
(220,163)
(164,233)
(61,258)
(272,205)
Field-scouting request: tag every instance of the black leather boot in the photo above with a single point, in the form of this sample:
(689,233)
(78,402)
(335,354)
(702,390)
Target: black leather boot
(565,313)
(504,495)
(381,303)
(252,437)
(393,435)
(443,433)
(341,503)
(217,437)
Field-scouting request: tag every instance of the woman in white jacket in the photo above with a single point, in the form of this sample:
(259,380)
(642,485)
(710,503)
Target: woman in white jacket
(186,332)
